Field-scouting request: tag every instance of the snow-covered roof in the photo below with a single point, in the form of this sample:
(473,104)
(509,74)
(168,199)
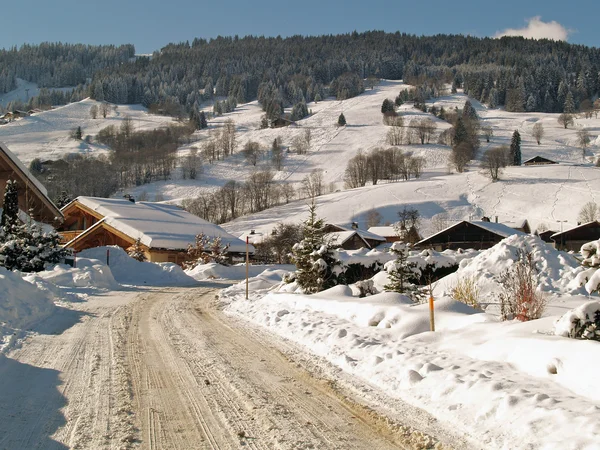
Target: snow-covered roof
(254,237)
(363,233)
(520,223)
(17,162)
(340,237)
(157,225)
(386,231)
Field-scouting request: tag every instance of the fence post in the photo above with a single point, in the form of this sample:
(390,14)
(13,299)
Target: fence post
(247,265)
(431,314)
(107,257)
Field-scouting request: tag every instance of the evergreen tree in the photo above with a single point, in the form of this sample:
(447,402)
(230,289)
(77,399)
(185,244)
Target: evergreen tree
(387,106)
(515,148)
(468,112)
(136,251)
(202,121)
(341,120)
(10,208)
(569,107)
(401,272)
(312,256)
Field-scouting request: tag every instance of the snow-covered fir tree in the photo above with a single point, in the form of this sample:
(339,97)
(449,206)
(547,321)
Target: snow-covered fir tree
(25,246)
(313,257)
(515,149)
(136,251)
(341,120)
(401,272)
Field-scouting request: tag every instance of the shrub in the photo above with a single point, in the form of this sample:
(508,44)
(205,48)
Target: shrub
(520,298)
(580,323)
(466,291)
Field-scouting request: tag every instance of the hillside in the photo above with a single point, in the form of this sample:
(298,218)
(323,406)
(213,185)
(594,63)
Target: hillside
(541,194)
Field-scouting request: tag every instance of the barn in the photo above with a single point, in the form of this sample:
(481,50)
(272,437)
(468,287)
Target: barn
(352,238)
(538,161)
(478,235)
(165,231)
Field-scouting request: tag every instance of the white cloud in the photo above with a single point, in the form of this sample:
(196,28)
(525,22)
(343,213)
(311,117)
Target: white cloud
(537,29)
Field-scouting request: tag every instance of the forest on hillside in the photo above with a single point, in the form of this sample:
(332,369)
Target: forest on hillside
(520,74)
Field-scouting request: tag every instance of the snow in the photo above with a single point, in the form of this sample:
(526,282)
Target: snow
(236,272)
(159,226)
(129,271)
(585,313)
(501,384)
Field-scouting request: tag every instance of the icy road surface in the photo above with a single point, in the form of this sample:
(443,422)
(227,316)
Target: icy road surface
(165,369)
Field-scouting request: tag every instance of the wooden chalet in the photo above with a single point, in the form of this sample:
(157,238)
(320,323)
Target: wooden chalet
(466,234)
(352,238)
(33,196)
(520,225)
(573,239)
(546,236)
(538,161)
(165,231)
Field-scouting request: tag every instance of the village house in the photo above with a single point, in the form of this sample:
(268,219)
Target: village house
(479,235)
(165,231)
(574,238)
(538,161)
(352,238)
(33,196)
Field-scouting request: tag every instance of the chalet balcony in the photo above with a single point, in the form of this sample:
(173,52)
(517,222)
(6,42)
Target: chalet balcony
(69,235)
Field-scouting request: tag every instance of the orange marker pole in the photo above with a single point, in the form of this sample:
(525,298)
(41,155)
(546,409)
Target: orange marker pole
(431,314)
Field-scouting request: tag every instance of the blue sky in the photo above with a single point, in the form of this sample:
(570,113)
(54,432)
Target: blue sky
(151,24)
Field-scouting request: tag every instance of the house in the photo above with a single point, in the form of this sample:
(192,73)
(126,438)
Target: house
(165,231)
(574,238)
(538,161)
(468,234)
(546,236)
(352,238)
(520,225)
(33,196)
(388,232)
(254,237)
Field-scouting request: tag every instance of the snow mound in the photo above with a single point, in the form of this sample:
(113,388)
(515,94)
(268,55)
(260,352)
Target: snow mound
(87,274)
(236,272)
(127,270)
(21,303)
(572,323)
(556,270)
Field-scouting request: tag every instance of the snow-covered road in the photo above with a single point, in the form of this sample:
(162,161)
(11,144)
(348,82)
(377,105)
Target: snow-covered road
(164,368)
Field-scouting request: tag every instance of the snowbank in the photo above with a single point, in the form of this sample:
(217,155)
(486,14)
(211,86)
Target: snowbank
(22,304)
(557,269)
(236,272)
(500,384)
(126,270)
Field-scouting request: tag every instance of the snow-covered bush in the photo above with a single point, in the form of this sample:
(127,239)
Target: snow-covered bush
(580,323)
(466,291)
(366,287)
(520,298)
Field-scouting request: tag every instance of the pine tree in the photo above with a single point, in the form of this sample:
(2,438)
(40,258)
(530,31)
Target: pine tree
(401,272)
(10,209)
(515,148)
(468,112)
(387,106)
(312,256)
(136,251)
(569,107)
(203,122)
(341,120)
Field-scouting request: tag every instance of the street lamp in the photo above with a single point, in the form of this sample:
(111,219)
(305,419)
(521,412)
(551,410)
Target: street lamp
(561,224)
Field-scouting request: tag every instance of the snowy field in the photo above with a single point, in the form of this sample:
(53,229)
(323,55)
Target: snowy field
(499,384)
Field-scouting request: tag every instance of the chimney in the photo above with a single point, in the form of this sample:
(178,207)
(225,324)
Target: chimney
(355,225)
(496,219)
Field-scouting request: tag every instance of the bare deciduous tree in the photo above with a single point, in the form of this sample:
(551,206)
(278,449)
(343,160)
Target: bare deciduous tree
(104,109)
(583,139)
(357,171)
(494,160)
(461,155)
(94,111)
(588,213)
(313,183)
(424,129)
(395,136)
(373,218)
(565,120)
(251,152)
(537,132)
